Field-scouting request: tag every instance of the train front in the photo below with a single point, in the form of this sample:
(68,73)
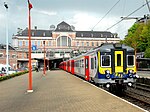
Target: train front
(116,65)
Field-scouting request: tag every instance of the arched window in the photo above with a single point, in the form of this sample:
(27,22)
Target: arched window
(63,41)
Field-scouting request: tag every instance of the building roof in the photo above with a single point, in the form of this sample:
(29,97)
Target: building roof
(65,27)
(36,33)
(95,34)
(2,46)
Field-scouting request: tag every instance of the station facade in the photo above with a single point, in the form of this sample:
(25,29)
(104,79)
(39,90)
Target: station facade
(61,42)
(12,56)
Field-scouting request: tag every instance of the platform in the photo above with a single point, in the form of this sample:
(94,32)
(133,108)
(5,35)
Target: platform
(58,91)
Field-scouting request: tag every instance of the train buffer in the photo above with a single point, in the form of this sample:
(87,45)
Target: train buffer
(58,91)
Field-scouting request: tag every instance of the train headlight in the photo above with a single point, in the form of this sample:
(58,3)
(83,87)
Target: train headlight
(107,72)
(137,76)
(130,84)
(107,85)
(130,71)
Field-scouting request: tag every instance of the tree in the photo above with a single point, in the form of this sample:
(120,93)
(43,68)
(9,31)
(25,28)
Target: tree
(147,53)
(138,36)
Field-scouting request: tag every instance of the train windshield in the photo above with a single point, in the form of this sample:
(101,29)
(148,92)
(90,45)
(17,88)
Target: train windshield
(130,60)
(105,61)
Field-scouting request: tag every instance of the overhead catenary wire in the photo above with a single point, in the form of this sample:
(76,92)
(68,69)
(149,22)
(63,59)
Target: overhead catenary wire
(148,5)
(128,16)
(106,14)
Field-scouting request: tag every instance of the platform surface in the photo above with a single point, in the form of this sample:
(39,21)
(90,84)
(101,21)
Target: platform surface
(58,91)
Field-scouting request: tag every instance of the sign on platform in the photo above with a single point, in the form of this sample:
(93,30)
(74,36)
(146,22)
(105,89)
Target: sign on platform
(34,47)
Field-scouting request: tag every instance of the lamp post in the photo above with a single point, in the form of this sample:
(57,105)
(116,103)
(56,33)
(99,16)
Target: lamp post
(44,58)
(6,6)
(29,34)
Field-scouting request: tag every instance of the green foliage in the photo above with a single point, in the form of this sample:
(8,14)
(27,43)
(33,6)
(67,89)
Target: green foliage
(147,53)
(12,75)
(138,37)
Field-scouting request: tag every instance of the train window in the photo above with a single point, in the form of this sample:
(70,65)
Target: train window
(92,63)
(118,59)
(82,63)
(105,60)
(86,63)
(130,60)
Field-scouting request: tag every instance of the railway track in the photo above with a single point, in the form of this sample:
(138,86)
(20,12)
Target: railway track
(143,87)
(139,94)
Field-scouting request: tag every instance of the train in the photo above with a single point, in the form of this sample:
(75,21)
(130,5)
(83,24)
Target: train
(111,65)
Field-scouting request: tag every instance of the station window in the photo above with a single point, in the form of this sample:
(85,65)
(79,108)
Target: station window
(26,43)
(1,55)
(13,55)
(87,43)
(130,59)
(63,41)
(82,43)
(38,43)
(105,60)
(97,44)
(92,43)
(20,43)
(77,43)
(49,43)
(33,42)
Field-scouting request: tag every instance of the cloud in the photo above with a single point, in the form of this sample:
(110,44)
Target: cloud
(86,21)
(48,13)
(83,14)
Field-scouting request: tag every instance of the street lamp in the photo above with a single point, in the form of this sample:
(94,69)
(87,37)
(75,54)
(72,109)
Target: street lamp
(6,6)
(29,34)
(44,58)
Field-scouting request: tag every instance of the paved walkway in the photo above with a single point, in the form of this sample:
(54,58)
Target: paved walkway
(58,91)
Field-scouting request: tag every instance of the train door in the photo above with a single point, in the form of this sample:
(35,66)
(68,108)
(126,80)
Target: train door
(64,65)
(72,67)
(87,72)
(119,61)
(69,66)
(93,66)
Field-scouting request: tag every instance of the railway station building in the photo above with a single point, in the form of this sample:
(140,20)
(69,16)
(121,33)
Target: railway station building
(61,43)
(12,56)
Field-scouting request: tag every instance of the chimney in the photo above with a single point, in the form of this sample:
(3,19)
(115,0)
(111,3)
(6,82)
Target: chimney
(35,27)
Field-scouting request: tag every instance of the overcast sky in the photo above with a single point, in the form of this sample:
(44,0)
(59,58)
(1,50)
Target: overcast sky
(83,14)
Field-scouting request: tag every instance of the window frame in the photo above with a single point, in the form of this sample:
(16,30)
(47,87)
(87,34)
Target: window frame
(92,63)
(133,61)
(2,55)
(20,43)
(119,63)
(109,62)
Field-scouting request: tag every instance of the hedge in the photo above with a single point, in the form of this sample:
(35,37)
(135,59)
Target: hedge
(12,75)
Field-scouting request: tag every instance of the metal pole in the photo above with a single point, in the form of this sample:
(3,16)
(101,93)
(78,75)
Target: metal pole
(7,62)
(148,5)
(30,67)
(106,39)
(44,58)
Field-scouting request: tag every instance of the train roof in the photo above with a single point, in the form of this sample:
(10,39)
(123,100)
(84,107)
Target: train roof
(106,47)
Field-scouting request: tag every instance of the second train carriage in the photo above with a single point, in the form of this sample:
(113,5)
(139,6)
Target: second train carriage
(107,65)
